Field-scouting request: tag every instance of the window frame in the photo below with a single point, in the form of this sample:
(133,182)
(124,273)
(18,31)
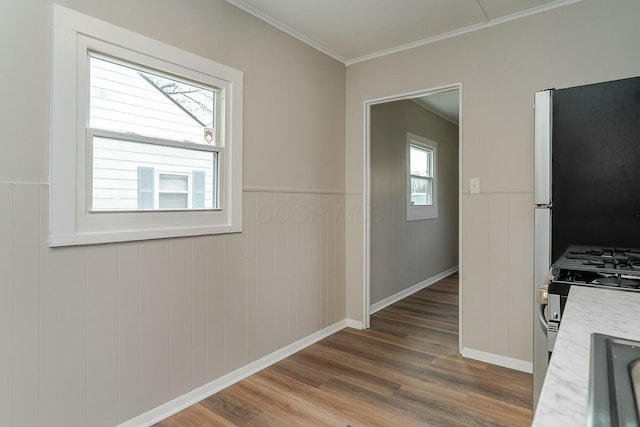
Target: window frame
(421,212)
(71,222)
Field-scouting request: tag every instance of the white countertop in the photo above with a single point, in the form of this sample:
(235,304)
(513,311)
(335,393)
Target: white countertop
(563,400)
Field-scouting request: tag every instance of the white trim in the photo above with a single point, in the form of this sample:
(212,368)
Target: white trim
(23,183)
(291,190)
(355,324)
(461,31)
(194,396)
(366,197)
(287,30)
(70,222)
(497,359)
(157,191)
(129,236)
(410,291)
(347,62)
(460,188)
(415,94)
(366,194)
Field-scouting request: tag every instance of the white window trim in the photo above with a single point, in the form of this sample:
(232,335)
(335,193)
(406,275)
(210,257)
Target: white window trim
(157,190)
(71,222)
(416,213)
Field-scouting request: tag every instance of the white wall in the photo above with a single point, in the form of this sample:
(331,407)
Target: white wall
(500,69)
(96,335)
(405,253)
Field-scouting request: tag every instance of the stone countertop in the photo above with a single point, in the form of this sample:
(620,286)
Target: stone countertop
(563,400)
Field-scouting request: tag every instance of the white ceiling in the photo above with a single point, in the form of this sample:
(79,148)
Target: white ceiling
(446,104)
(355,30)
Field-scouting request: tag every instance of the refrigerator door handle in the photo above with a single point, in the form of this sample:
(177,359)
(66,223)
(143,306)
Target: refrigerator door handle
(542,318)
(542,155)
(542,300)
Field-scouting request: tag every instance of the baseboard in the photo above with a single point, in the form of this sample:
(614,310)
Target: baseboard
(496,359)
(412,290)
(178,404)
(355,324)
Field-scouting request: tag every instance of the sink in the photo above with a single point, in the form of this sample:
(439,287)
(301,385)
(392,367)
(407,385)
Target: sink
(614,382)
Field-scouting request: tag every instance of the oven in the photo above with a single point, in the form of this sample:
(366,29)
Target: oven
(617,269)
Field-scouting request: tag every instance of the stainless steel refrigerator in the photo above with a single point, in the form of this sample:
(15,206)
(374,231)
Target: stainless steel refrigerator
(587,180)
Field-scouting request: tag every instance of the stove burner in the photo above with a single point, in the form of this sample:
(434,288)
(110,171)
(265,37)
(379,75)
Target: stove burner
(594,262)
(586,251)
(599,266)
(617,282)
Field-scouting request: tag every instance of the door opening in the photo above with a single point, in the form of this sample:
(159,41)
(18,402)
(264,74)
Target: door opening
(412,194)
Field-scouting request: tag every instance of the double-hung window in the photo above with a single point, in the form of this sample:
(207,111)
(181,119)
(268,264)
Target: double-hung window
(146,139)
(141,123)
(422,191)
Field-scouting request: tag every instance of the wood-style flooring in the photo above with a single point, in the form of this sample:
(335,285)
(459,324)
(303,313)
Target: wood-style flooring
(404,371)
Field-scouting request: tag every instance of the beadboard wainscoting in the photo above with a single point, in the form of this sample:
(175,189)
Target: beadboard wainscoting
(97,335)
(497,288)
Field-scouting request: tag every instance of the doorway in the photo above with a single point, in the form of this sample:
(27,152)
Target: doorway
(412,195)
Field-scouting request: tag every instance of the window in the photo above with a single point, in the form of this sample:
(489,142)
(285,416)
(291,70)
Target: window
(141,147)
(173,191)
(421,171)
(139,121)
(422,194)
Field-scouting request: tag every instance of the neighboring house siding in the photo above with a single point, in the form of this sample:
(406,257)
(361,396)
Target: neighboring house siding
(122,99)
(121,96)
(115,179)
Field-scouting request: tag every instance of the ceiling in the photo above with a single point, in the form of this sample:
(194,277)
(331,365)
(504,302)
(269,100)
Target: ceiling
(446,104)
(356,30)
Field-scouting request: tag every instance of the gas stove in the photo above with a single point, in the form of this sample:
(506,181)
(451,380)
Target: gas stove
(598,267)
(606,267)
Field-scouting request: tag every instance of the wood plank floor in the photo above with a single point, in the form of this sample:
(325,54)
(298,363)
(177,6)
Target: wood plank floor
(404,371)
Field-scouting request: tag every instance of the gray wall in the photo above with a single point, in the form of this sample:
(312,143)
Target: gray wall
(95,335)
(404,253)
(500,69)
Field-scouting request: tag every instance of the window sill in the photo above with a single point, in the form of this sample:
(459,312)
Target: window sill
(128,236)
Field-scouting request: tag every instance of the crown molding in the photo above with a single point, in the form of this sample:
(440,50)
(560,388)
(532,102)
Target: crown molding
(347,62)
(461,31)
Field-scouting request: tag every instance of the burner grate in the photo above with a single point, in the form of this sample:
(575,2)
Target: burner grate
(613,261)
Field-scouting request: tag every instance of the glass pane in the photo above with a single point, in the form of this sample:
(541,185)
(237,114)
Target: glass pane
(126,99)
(420,161)
(173,200)
(170,182)
(125,172)
(421,191)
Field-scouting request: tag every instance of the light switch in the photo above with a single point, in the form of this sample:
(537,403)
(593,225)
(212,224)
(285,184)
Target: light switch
(474,186)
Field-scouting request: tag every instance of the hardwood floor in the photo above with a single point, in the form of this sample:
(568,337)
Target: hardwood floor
(404,371)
